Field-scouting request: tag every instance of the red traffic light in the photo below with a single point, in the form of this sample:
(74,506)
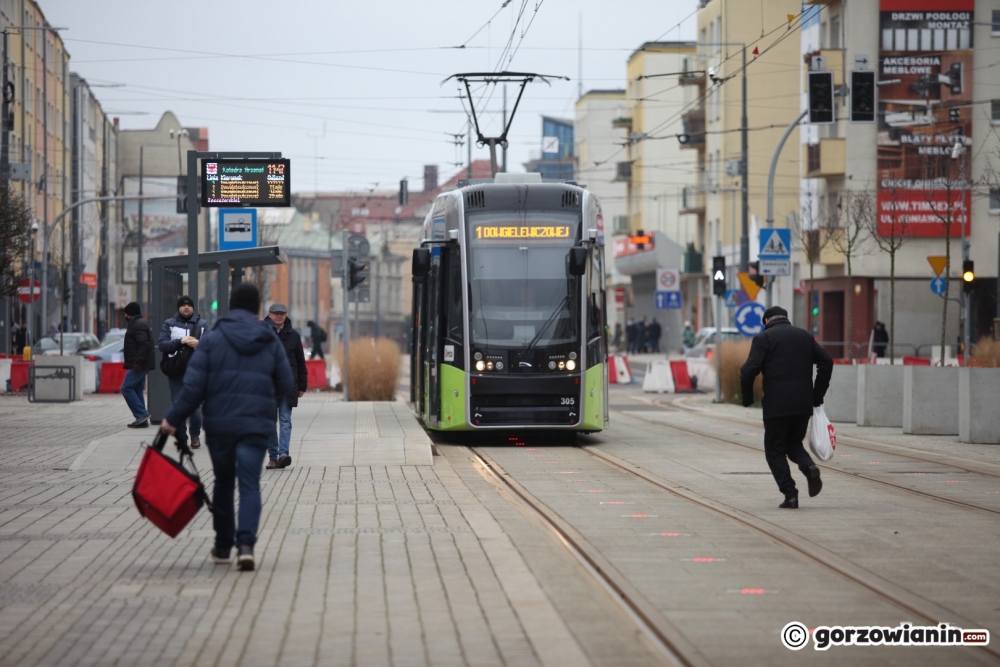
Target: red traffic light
(639,239)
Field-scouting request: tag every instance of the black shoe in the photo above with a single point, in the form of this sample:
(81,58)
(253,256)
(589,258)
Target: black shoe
(284,461)
(791,503)
(815,483)
(195,442)
(244,558)
(142,422)
(217,556)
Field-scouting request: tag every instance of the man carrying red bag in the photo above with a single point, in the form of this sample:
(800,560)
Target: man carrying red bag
(237,373)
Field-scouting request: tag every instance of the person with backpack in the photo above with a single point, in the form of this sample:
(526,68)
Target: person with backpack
(318,337)
(237,375)
(179,337)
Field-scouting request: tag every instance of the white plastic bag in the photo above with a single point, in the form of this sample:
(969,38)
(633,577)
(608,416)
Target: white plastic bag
(822,435)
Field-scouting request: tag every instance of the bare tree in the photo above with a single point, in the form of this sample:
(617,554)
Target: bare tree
(808,230)
(846,235)
(890,232)
(15,238)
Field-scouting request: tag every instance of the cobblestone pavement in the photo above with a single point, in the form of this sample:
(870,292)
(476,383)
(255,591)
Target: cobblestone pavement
(356,565)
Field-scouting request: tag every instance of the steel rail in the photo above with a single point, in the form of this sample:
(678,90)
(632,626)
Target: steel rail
(895,594)
(617,587)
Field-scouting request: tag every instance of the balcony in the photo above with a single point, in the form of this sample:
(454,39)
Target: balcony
(692,76)
(692,260)
(623,172)
(622,123)
(826,159)
(694,129)
(692,201)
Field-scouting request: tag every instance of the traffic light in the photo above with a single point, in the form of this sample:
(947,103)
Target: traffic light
(820,97)
(360,272)
(968,275)
(863,89)
(404,192)
(815,300)
(719,275)
(755,274)
(640,240)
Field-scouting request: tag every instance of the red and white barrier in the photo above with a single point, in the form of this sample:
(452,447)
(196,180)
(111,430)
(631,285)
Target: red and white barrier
(619,371)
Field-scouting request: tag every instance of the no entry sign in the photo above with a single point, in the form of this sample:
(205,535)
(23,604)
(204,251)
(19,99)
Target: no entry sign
(25,293)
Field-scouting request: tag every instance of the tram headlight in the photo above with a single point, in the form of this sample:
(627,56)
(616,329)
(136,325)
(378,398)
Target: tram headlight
(480,365)
(562,365)
(552,365)
(572,355)
(571,365)
(489,365)
(499,365)
(477,356)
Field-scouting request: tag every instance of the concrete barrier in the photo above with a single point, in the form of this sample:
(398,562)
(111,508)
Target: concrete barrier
(89,382)
(978,417)
(4,372)
(74,360)
(841,400)
(930,400)
(880,395)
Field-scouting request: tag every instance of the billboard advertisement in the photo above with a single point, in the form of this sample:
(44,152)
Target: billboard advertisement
(925,117)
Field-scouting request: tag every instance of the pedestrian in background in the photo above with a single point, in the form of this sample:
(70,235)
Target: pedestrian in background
(641,336)
(654,336)
(317,337)
(630,331)
(139,358)
(880,339)
(279,443)
(179,338)
(785,355)
(687,337)
(238,373)
(618,336)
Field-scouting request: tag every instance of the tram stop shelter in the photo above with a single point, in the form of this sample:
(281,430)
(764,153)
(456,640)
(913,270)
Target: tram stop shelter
(166,279)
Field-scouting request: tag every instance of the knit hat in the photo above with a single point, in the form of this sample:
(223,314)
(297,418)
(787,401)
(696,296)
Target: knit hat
(133,309)
(245,296)
(184,301)
(775,311)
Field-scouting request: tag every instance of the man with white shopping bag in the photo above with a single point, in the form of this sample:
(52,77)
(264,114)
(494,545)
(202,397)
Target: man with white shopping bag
(785,354)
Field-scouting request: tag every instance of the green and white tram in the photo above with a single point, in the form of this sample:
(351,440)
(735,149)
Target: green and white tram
(509,309)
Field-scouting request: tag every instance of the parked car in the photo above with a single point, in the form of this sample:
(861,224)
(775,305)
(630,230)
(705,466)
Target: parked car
(112,335)
(113,352)
(72,343)
(707,338)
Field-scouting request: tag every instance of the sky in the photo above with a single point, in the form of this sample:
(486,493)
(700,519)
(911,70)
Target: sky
(352,92)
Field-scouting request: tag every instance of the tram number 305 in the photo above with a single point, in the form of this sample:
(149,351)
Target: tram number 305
(567,401)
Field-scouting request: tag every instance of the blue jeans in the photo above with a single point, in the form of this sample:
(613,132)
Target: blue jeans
(236,458)
(278,446)
(176,384)
(132,388)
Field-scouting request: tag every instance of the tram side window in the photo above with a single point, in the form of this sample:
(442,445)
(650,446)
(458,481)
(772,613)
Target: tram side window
(453,296)
(594,298)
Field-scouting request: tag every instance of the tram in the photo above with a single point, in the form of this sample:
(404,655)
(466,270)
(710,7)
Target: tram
(509,309)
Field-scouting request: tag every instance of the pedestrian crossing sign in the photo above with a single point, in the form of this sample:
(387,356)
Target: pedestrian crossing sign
(775,244)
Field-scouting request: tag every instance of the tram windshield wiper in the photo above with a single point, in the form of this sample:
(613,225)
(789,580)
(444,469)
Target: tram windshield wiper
(547,323)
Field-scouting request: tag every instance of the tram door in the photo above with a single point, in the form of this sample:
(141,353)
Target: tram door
(431,410)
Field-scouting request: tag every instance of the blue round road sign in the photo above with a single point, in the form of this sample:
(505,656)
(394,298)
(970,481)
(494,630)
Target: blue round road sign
(750,318)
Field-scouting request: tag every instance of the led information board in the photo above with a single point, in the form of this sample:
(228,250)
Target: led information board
(520,232)
(234,183)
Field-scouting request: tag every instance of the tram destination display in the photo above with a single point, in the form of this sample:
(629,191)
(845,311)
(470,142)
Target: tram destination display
(235,183)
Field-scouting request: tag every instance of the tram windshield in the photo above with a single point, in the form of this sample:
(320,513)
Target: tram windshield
(522,294)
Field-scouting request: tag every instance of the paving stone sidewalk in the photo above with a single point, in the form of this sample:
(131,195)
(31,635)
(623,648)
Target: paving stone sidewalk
(376,564)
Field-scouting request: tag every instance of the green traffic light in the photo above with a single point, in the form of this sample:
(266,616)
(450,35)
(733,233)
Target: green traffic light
(816,310)
(215,305)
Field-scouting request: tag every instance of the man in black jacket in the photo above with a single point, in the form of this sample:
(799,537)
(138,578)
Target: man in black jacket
(278,447)
(140,358)
(785,355)
(178,340)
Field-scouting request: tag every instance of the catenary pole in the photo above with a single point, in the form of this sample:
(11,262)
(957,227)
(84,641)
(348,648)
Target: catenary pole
(770,183)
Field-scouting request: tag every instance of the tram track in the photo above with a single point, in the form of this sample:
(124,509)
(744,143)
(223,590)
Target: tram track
(646,617)
(825,466)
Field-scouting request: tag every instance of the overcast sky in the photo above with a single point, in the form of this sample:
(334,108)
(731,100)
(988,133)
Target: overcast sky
(357,84)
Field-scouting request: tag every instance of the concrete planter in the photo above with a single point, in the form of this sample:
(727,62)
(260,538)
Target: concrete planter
(930,400)
(978,417)
(880,395)
(841,400)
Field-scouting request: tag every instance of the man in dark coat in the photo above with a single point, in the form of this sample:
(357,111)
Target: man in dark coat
(178,334)
(277,448)
(237,373)
(880,338)
(140,358)
(317,336)
(630,332)
(785,355)
(654,336)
